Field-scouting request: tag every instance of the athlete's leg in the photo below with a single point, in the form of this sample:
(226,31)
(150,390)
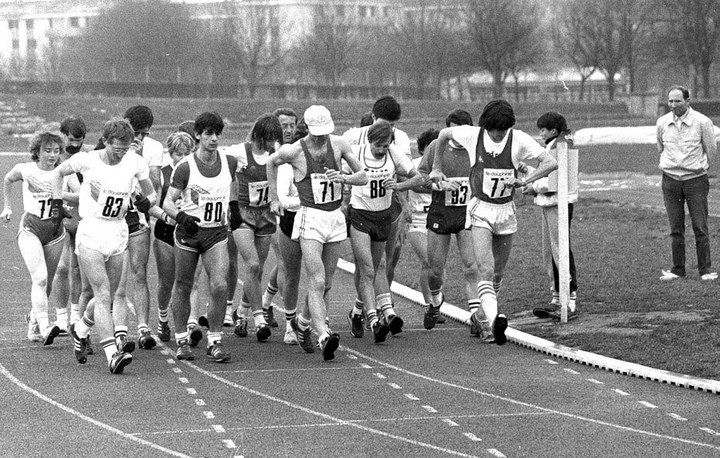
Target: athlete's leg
(438,246)
(60,294)
(419,243)
(232,277)
(254,251)
(216,262)
(186,262)
(165,264)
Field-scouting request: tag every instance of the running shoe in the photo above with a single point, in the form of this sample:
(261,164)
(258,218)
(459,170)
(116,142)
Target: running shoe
(395,323)
(184,352)
(78,346)
(571,315)
(118,362)
(50,333)
(163,331)
(356,325)
(262,332)
(380,331)
(146,341)
(329,345)
(270,317)
(304,336)
(195,336)
(431,317)
(499,327)
(218,353)
(124,345)
(62,324)
(290,337)
(240,325)
(476,326)
(34,334)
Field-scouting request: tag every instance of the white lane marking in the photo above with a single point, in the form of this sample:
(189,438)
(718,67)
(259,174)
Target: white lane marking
(570,371)
(621,392)
(677,417)
(412,397)
(366,366)
(170,361)
(528,405)
(710,431)
(379,375)
(430,409)
(209,415)
(218,428)
(496,452)
(335,420)
(229,443)
(200,402)
(450,422)
(191,390)
(351,356)
(394,385)
(472,437)
(177,370)
(597,382)
(550,361)
(647,404)
(183,380)
(100,424)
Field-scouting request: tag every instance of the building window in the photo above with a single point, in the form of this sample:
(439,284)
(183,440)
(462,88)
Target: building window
(50,23)
(31,43)
(13,24)
(373,11)
(340,10)
(363,11)
(29,24)
(16,45)
(75,22)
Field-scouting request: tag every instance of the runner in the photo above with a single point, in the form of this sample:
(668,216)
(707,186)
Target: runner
(370,216)
(445,218)
(254,235)
(40,235)
(319,224)
(205,182)
(109,179)
(495,150)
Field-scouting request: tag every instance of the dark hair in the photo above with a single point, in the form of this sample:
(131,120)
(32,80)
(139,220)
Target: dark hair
(266,128)
(301,130)
(387,108)
(459,117)
(140,117)
(119,129)
(209,120)
(188,127)
(552,120)
(380,130)
(285,112)
(43,138)
(685,91)
(367,119)
(73,125)
(425,138)
(497,115)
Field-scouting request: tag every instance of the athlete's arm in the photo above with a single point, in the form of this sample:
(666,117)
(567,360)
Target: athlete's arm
(11,177)
(358,177)
(287,154)
(441,145)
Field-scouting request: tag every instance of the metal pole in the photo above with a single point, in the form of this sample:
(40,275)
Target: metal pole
(563,227)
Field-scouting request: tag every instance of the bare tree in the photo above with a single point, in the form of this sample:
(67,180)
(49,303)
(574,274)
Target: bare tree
(423,41)
(138,41)
(330,48)
(695,24)
(573,42)
(254,45)
(501,35)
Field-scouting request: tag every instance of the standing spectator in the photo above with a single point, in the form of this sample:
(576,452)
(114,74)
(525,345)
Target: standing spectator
(686,142)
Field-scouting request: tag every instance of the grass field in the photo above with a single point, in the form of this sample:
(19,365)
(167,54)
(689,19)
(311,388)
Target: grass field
(620,249)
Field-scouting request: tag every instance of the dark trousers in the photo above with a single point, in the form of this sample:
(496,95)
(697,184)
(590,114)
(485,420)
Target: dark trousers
(676,194)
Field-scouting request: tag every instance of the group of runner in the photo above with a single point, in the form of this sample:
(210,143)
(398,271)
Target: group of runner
(85,234)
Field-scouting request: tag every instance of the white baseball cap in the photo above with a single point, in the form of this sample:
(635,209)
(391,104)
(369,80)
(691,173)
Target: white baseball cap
(319,121)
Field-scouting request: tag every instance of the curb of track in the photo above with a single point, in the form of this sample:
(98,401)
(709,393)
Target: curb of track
(560,351)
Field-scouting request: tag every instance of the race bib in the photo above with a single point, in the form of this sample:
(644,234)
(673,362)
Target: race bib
(258,193)
(324,190)
(212,208)
(113,204)
(42,204)
(459,197)
(494,182)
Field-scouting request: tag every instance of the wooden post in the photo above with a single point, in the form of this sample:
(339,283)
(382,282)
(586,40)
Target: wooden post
(563,227)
